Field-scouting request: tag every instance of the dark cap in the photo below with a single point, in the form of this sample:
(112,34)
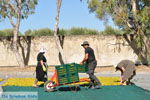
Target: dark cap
(85,43)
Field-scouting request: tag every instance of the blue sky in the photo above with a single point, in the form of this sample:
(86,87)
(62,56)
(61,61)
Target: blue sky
(73,14)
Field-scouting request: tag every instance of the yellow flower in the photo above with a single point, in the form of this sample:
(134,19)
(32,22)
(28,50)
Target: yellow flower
(20,82)
(106,81)
(1,79)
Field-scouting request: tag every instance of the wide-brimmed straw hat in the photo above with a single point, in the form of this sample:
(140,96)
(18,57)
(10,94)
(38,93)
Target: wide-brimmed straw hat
(85,43)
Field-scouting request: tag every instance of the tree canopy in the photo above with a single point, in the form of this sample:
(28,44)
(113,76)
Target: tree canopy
(15,10)
(125,13)
(9,8)
(132,16)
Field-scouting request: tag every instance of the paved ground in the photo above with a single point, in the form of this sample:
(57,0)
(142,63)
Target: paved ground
(142,81)
(1,90)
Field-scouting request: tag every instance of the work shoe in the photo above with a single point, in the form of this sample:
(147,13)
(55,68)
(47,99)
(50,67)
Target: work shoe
(95,87)
(92,87)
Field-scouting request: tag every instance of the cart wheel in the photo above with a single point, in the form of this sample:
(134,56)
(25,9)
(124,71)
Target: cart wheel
(49,86)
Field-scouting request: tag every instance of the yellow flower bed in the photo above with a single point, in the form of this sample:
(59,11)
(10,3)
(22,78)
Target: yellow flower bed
(20,82)
(1,79)
(106,81)
(29,81)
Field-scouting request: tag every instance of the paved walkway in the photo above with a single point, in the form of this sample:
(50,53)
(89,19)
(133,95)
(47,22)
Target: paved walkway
(1,90)
(142,81)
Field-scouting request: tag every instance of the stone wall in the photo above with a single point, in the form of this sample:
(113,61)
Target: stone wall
(109,50)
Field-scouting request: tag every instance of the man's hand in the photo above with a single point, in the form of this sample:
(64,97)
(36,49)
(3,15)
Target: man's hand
(85,58)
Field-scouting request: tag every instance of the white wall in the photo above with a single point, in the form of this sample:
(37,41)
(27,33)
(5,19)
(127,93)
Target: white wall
(109,50)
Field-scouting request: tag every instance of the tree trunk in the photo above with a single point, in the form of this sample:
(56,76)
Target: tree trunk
(15,37)
(145,46)
(142,51)
(16,50)
(60,49)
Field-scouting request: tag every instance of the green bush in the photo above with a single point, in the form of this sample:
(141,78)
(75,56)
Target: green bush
(82,31)
(111,31)
(40,32)
(6,32)
(73,31)
(63,32)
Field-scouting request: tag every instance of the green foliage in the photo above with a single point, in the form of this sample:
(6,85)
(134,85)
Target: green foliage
(72,31)
(40,32)
(132,16)
(8,32)
(82,31)
(111,31)
(63,32)
(121,10)
(144,17)
(15,10)
(9,8)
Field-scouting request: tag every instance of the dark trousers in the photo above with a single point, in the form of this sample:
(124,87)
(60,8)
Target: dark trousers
(91,68)
(40,74)
(129,80)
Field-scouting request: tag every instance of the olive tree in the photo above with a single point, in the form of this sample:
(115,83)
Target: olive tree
(15,11)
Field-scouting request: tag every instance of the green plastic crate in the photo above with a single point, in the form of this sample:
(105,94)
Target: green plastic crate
(63,80)
(82,68)
(67,73)
(73,79)
(73,75)
(62,74)
(61,70)
(72,68)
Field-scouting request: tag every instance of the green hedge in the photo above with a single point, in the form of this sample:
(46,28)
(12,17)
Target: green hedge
(111,31)
(73,31)
(40,32)
(8,32)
